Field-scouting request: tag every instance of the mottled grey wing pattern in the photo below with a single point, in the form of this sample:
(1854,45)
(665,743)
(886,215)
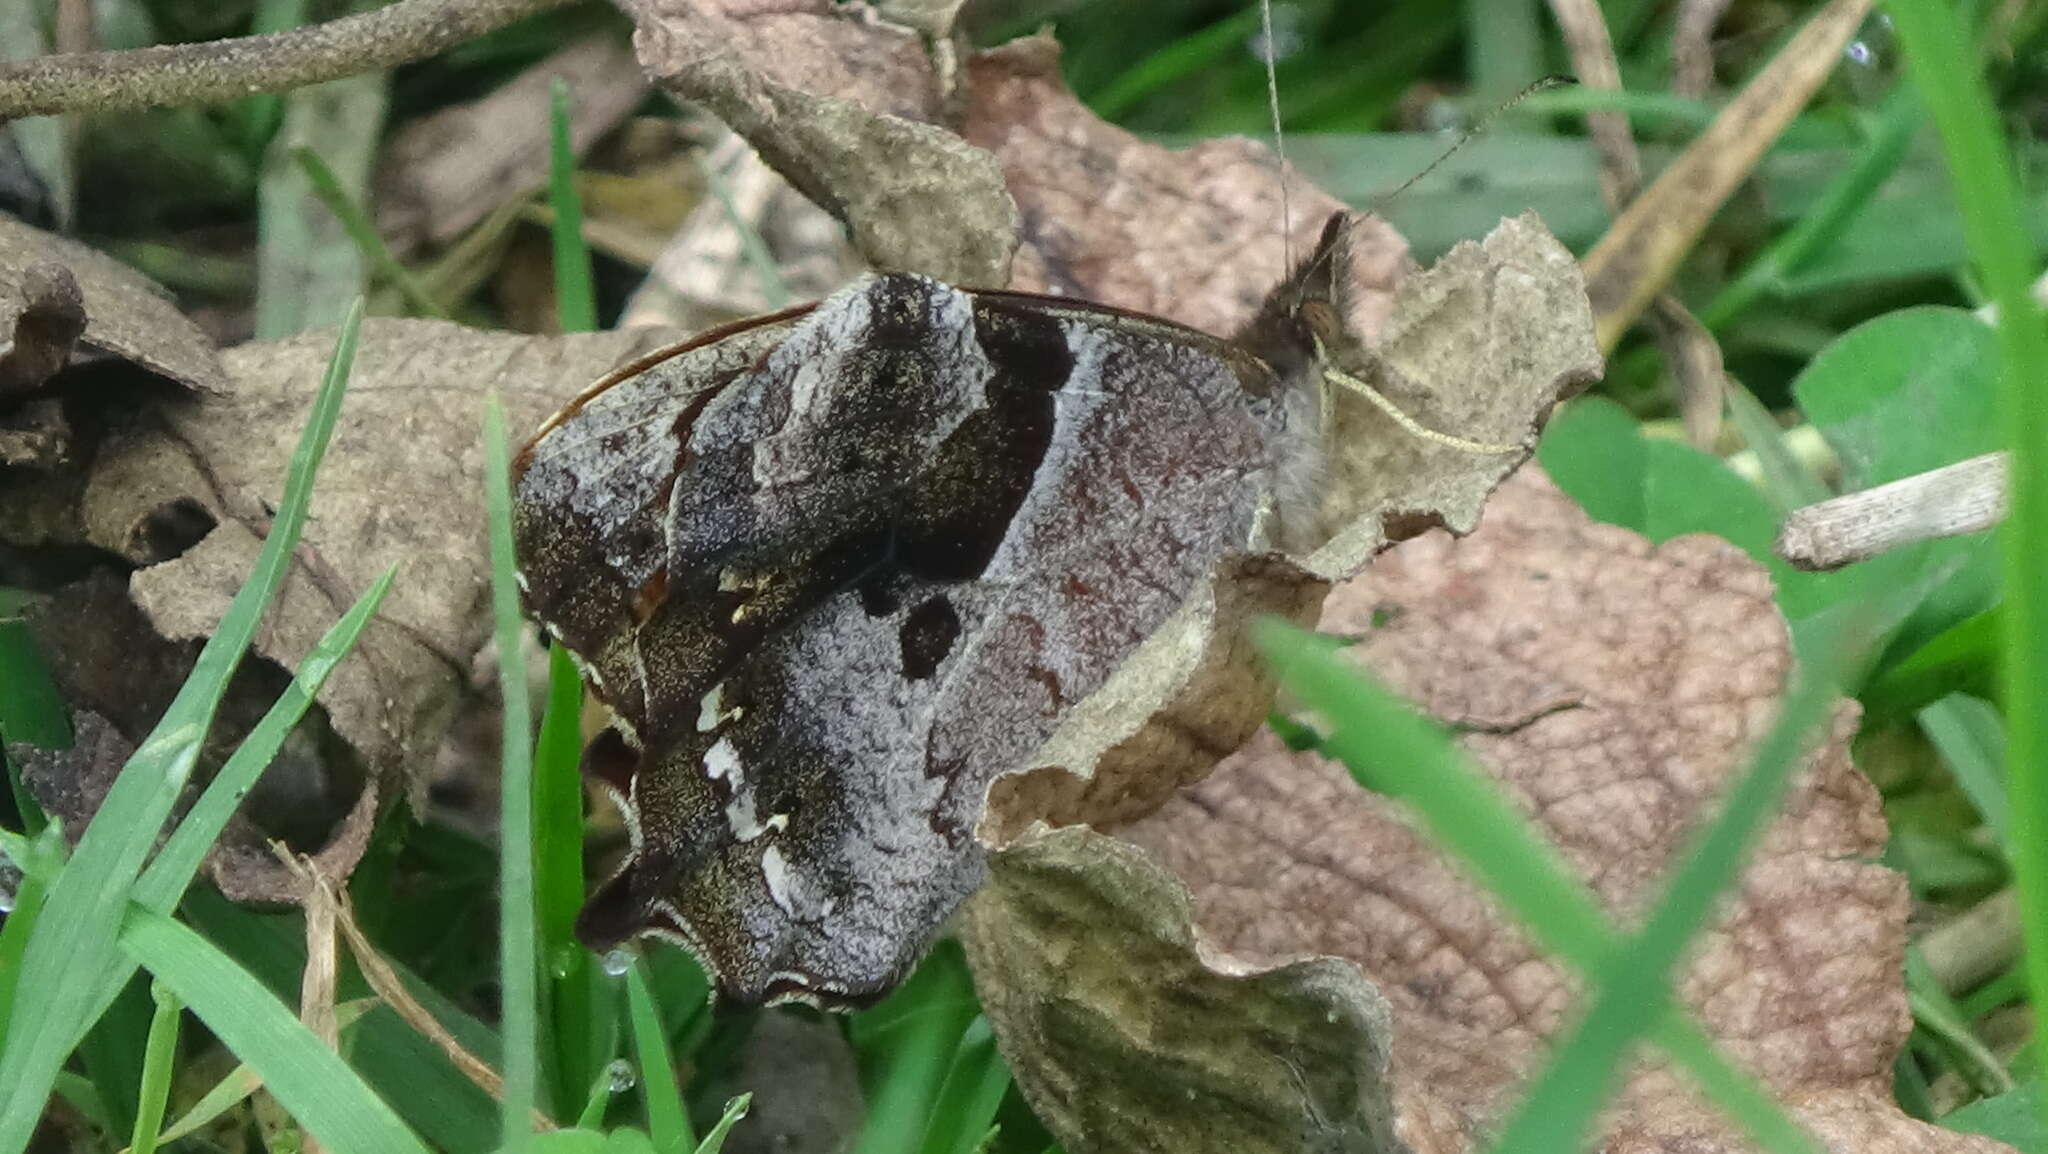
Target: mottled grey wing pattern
(839,570)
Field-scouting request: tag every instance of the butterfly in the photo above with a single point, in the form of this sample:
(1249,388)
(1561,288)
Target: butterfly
(836,569)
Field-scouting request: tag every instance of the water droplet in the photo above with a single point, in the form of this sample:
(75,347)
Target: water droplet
(620,1076)
(1860,52)
(10,884)
(563,962)
(617,961)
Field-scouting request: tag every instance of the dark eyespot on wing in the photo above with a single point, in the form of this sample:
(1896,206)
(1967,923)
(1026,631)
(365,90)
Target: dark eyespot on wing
(927,636)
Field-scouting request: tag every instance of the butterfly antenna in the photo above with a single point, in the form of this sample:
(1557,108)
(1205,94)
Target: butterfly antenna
(1279,138)
(1481,125)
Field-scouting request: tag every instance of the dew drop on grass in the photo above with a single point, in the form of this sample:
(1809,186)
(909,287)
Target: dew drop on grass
(620,1076)
(10,884)
(617,961)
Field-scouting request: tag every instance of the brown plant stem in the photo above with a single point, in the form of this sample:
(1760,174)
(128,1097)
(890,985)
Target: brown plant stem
(219,70)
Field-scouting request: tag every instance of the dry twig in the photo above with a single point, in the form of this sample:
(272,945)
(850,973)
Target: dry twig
(1955,499)
(219,70)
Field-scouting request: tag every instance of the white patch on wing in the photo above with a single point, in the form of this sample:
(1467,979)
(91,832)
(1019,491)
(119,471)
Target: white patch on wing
(723,761)
(775,872)
(709,709)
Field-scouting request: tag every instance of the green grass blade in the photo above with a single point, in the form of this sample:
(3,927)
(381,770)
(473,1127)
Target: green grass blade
(364,234)
(67,953)
(1938,1015)
(1952,82)
(157,1069)
(967,1101)
(1188,56)
(1391,748)
(1635,984)
(308,1079)
(1827,219)
(734,1111)
(575,298)
(517,938)
(1788,481)
(668,1123)
(582,1013)
(905,1046)
(163,884)
(38,858)
(1970,737)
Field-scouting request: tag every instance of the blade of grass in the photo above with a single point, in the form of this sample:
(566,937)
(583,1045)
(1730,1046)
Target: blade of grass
(364,234)
(1828,217)
(1788,481)
(582,1015)
(1952,82)
(239,1083)
(1942,1019)
(163,884)
(516,932)
(66,954)
(157,1068)
(734,1111)
(668,1123)
(1970,737)
(905,1046)
(1634,985)
(575,299)
(1190,55)
(773,287)
(1406,755)
(311,1081)
(41,857)
(974,1087)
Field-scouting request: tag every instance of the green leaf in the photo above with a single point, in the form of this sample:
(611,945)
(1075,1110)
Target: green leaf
(1594,450)
(65,958)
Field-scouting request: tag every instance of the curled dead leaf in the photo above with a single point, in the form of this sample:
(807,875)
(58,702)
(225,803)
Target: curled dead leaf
(1129,1033)
(124,313)
(1612,687)
(839,106)
(185,490)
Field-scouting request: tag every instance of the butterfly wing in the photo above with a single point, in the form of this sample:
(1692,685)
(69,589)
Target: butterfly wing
(897,549)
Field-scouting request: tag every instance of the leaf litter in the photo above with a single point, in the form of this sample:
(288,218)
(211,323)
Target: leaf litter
(1356,992)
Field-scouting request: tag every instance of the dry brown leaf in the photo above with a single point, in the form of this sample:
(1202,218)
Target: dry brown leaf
(1636,257)
(1128,1034)
(188,492)
(703,276)
(440,174)
(1613,687)
(1194,235)
(1485,341)
(837,106)
(126,314)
